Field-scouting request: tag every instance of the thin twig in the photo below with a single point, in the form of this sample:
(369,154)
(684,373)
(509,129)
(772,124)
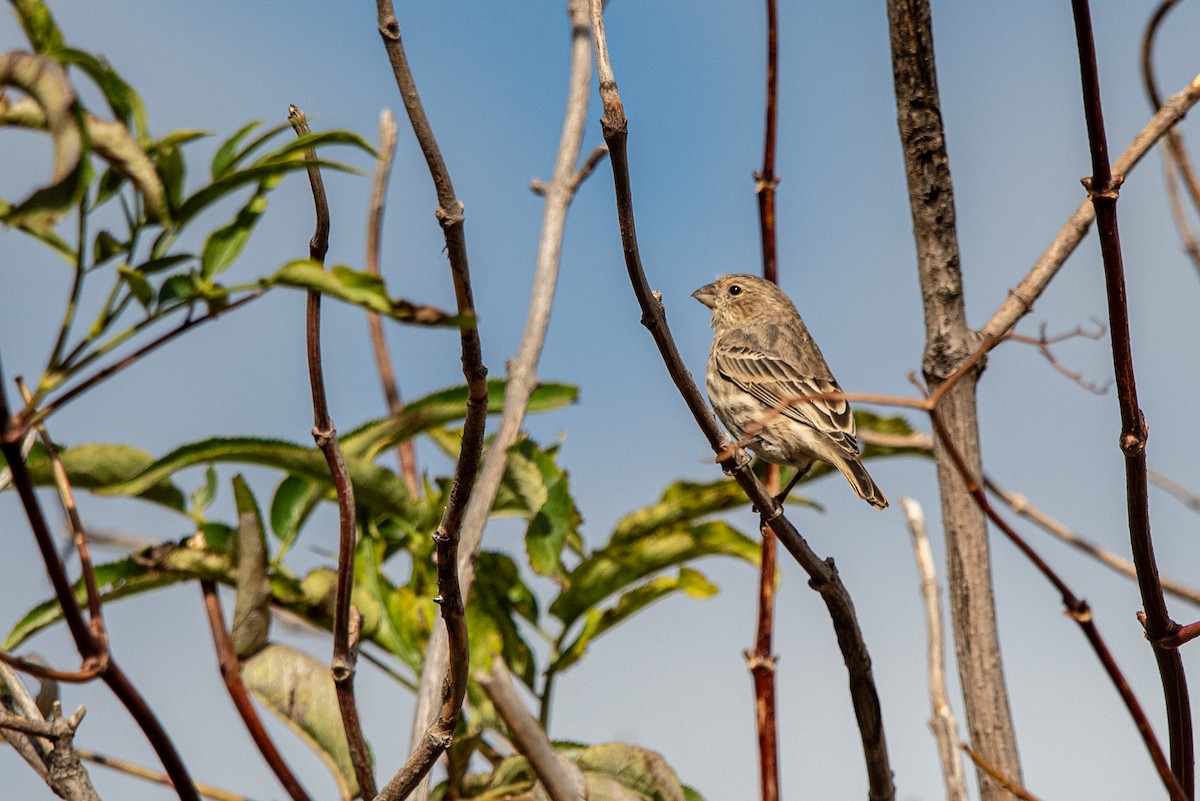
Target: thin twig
(522,368)
(438,735)
(231,673)
(1043,342)
(1176,490)
(1102,190)
(1004,781)
(94,651)
(528,736)
(405,452)
(1077,609)
(158,777)
(1021,506)
(823,573)
(1020,300)
(56,403)
(945,728)
(1175,154)
(67,496)
(342,665)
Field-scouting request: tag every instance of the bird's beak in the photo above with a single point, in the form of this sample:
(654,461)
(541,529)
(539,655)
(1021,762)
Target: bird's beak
(707,295)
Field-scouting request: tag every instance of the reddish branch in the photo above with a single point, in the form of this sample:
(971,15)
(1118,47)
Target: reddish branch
(325,435)
(761,660)
(92,649)
(405,452)
(438,735)
(823,573)
(1103,189)
(231,673)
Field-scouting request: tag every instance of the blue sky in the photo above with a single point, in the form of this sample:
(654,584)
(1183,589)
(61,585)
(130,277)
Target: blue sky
(690,74)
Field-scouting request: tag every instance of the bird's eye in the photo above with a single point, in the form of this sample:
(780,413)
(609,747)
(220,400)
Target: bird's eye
(735,290)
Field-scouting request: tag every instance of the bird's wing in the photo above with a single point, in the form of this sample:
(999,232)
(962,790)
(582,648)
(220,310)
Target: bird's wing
(774,381)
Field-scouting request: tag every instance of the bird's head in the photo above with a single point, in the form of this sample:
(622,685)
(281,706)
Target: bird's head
(738,299)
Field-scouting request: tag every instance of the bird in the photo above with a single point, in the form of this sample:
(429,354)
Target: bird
(762,363)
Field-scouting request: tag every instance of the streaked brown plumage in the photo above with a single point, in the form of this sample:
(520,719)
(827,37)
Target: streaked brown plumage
(762,360)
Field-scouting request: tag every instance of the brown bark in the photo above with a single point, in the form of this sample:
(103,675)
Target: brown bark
(950,340)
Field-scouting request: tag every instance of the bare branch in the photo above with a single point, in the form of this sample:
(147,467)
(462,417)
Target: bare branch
(530,740)
(231,673)
(1043,342)
(945,728)
(405,452)
(324,434)
(437,737)
(1102,188)
(1020,300)
(824,576)
(1177,490)
(63,772)
(1021,505)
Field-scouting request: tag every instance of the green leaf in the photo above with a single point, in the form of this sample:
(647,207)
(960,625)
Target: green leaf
(115,580)
(224,244)
(99,467)
(361,289)
(223,159)
(180,287)
(40,29)
(234,157)
(206,196)
(497,598)
(375,487)
(138,285)
(125,103)
(620,565)
(204,496)
(299,691)
(171,170)
(294,500)
(395,618)
(442,407)
(164,263)
(641,770)
(105,246)
(252,610)
(535,477)
(300,144)
(596,622)
(45,82)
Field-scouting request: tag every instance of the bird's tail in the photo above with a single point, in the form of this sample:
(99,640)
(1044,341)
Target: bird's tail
(861,482)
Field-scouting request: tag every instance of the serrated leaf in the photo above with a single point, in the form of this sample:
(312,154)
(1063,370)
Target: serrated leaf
(598,622)
(619,565)
(401,622)
(641,770)
(361,289)
(375,487)
(115,580)
(98,467)
(498,597)
(299,691)
(252,609)
(225,244)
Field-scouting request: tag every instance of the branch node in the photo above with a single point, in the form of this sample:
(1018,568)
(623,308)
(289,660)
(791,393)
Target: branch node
(450,219)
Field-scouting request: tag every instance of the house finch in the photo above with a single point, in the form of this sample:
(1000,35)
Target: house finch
(762,363)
